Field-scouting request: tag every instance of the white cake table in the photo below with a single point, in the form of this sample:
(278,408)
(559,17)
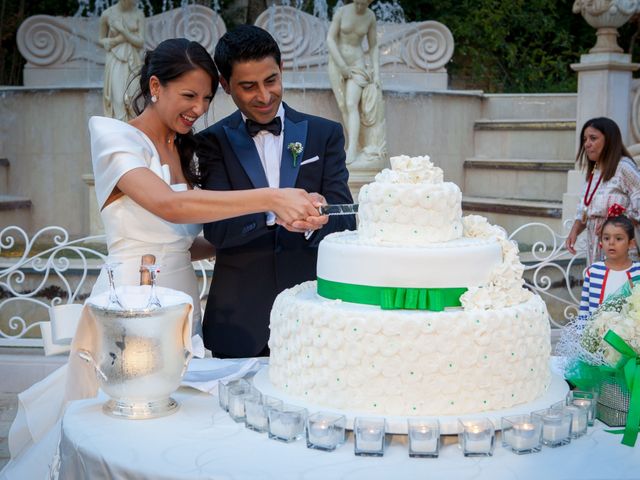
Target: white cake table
(201,441)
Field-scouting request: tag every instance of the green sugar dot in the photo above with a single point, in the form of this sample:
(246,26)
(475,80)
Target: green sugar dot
(451,364)
(414,408)
(355,329)
(411,373)
(375,404)
(338,379)
(513,354)
(477,321)
(484,401)
(452,402)
(485,357)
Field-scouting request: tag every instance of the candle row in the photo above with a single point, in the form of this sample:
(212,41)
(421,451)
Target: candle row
(552,427)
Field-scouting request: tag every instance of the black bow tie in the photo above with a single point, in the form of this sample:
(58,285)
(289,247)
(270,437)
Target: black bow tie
(274,126)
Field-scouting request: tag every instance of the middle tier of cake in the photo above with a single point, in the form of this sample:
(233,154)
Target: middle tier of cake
(356,270)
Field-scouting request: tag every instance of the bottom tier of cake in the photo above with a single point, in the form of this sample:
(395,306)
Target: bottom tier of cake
(406,362)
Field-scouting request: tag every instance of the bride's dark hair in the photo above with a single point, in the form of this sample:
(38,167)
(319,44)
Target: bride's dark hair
(168,61)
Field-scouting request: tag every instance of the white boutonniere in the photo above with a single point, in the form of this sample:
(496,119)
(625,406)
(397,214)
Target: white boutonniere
(296,150)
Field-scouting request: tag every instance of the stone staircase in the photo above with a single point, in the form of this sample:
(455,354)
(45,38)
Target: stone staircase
(523,148)
(14,209)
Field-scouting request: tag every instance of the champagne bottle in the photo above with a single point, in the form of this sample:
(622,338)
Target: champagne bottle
(145,274)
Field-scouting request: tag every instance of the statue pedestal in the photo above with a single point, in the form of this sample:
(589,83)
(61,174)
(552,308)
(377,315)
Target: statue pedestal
(604,90)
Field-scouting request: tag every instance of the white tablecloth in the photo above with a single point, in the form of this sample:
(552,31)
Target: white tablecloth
(200,441)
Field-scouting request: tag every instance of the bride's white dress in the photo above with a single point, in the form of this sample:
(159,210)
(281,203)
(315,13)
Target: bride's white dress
(131,231)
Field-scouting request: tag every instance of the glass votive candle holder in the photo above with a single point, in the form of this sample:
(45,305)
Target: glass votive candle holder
(256,411)
(522,434)
(325,431)
(286,423)
(578,420)
(369,434)
(556,426)
(236,395)
(424,437)
(584,399)
(476,437)
(223,392)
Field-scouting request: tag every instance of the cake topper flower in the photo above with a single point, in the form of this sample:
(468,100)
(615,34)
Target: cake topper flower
(296,149)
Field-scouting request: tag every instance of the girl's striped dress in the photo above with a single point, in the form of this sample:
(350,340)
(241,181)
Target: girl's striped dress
(595,285)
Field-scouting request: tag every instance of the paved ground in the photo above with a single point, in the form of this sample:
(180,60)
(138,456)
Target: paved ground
(8,409)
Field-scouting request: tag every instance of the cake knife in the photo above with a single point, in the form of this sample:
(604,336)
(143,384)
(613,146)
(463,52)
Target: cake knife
(339,209)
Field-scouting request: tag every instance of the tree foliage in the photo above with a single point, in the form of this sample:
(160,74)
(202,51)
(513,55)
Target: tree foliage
(512,45)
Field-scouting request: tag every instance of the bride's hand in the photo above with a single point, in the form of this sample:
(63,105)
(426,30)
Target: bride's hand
(293,204)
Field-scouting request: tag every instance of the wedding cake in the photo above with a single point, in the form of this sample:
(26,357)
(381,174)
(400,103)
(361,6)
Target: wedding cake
(419,312)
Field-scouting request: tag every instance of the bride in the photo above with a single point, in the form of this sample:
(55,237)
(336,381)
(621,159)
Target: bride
(145,183)
(144,174)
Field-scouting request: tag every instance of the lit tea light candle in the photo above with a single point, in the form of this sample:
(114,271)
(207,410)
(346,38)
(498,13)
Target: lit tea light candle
(578,420)
(325,431)
(369,436)
(524,436)
(370,439)
(284,426)
(423,439)
(555,428)
(320,433)
(236,408)
(477,437)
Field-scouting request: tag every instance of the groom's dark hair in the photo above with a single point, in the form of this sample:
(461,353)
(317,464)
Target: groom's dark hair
(242,44)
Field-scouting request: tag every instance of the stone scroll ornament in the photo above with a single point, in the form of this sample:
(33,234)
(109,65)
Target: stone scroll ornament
(404,47)
(68,46)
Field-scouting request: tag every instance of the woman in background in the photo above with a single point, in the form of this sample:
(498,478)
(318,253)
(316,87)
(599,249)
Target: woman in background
(611,177)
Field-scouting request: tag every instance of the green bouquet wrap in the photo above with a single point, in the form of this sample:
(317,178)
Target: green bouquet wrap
(603,352)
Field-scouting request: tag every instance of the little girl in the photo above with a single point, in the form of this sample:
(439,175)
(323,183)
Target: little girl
(604,278)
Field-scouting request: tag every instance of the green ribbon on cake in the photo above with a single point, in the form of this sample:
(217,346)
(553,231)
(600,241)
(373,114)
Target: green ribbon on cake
(391,298)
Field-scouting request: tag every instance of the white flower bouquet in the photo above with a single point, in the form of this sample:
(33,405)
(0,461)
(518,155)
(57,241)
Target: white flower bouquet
(603,353)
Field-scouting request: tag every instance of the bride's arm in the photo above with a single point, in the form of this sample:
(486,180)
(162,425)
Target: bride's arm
(203,206)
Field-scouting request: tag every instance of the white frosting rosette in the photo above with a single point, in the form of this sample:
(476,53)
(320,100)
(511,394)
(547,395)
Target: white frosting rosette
(405,169)
(506,285)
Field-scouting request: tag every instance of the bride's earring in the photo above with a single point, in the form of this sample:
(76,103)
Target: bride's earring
(154,99)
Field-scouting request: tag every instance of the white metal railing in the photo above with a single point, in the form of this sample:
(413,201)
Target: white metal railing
(35,280)
(69,265)
(547,259)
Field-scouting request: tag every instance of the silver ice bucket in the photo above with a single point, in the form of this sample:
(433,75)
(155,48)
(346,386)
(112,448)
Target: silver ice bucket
(140,359)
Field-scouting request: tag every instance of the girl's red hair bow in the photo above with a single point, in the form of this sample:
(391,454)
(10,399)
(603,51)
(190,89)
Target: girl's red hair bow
(615,210)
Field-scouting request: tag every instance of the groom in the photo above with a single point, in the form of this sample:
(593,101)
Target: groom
(265,143)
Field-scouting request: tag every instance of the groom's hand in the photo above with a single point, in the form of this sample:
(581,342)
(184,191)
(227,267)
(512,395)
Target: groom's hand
(311,223)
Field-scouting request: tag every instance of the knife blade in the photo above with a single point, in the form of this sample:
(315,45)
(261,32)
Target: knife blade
(339,209)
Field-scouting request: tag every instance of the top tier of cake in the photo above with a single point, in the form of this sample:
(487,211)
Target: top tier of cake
(410,204)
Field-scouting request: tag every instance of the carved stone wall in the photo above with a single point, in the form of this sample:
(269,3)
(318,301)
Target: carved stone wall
(64,51)
(413,56)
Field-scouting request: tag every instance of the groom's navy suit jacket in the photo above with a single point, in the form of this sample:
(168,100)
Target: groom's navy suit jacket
(255,263)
